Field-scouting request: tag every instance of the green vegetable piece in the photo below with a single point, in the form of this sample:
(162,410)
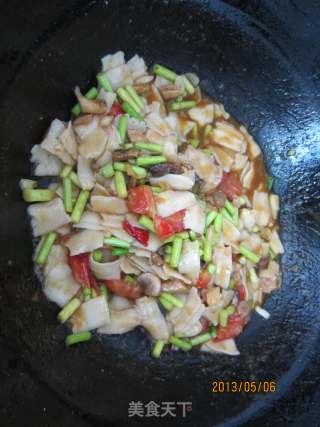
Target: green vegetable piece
(147,222)
(153,148)
(200,339)
(67,194)
(182,105)
(107,171)
(123,128)
(132,92)
(159,70)
(91,94)
(69,309)
(180,343)
(31,195)
(249,254)
(77,338)
(46,247)
(150,160)
(80,206)
(117,243)
(120,184)
(172,299)
(104,82)
(157,349)
(176,252)
(131,111)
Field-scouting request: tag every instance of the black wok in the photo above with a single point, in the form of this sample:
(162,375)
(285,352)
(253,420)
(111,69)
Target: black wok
(261,60)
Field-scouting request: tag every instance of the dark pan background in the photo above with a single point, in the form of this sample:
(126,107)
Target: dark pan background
(43,384)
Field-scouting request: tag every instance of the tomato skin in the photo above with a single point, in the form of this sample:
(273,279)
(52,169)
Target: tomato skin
(166,227)
(123,289)
(205,324)
(138,233)
(203,280)
(80,267)
(241,292)
(234,328)
(231,185)
(140,201)
(116,109)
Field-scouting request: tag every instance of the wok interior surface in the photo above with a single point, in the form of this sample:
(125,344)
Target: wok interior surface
(261,83)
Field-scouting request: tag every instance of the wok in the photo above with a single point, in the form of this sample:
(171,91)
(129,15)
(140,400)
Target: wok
(261,60)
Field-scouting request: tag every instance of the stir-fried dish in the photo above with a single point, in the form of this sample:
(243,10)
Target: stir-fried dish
(159,213)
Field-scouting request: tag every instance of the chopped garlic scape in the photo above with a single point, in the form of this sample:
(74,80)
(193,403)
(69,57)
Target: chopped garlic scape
(159,213)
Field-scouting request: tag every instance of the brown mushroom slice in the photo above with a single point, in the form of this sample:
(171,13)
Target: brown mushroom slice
(125,154)
(165,169)
(93,106)
(150,284)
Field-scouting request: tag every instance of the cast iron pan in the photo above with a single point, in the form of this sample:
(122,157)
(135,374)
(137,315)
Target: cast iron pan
(267,86)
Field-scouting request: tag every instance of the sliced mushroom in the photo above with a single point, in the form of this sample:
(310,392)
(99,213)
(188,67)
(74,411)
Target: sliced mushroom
(125,154)
(150,284)
(165,169)
(156,259)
